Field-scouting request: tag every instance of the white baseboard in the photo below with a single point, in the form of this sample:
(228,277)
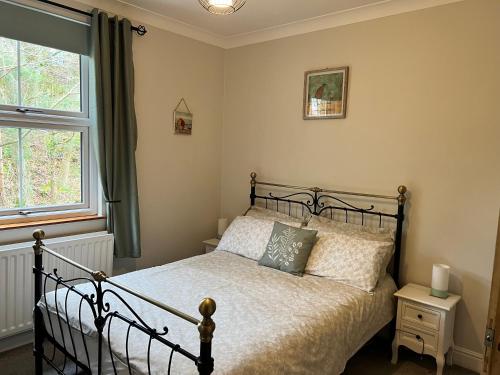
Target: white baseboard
(468,359)
(14,341)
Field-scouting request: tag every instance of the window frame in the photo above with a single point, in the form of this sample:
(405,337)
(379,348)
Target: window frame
(16,110)
(59,120)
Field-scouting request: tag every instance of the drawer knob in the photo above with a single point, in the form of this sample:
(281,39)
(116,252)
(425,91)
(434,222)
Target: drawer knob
(420,316)
(418,337)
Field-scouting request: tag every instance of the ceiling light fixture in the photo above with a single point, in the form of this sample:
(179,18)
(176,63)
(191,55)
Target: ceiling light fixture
(222,7)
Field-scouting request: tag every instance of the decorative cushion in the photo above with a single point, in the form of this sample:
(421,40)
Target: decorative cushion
(248,236)
(288,248)
(264,213)
(350,260)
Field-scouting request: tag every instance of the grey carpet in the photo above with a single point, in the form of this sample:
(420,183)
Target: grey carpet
(373,359)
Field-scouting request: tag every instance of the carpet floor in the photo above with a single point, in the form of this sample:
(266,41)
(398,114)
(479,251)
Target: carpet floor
(373,359)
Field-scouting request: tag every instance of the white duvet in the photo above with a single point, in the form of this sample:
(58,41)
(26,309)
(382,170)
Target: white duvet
(267,321)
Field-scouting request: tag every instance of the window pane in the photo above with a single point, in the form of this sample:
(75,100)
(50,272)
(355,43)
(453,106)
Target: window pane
(50,78)
(8,71)
(51,168)
(9,171)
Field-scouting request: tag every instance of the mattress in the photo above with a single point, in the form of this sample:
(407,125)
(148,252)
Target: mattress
(267,321)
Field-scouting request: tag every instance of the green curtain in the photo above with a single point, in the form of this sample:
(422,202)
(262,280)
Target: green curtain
(115,131)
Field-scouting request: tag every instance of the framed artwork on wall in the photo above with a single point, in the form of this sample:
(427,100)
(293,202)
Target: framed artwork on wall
(325,93)
(183,120)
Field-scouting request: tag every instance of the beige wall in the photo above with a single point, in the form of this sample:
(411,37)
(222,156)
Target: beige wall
(178,176)
(423,111)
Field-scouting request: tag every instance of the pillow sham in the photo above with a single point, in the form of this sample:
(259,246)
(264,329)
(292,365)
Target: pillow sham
(325,225)
(288,248)
(248,236)
(264,213)
(349,260)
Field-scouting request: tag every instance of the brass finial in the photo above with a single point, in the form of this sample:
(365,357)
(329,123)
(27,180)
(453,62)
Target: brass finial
(99,276)
(402,197)
(253,177)
(207,326)
(38,235)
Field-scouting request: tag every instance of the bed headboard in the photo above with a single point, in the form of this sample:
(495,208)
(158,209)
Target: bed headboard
(338,204)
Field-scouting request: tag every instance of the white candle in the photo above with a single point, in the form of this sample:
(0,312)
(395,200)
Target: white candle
(221,226)
(440,280)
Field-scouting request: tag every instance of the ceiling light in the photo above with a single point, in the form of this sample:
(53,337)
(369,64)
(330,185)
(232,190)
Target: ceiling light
(222,6)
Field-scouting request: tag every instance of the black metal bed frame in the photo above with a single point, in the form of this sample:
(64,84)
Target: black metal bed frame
(313,200)
(102,314)
(316,201)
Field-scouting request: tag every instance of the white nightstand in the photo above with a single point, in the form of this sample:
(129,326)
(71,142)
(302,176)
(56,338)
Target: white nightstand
(425,324)
(210,245)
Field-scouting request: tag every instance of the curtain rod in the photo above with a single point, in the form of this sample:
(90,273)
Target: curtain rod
(140,30)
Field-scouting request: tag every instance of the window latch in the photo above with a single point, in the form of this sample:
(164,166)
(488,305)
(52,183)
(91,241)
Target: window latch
(28,110)
(25,213)
(28,212)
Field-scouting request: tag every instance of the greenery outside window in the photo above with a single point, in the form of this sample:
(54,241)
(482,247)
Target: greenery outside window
(45,163)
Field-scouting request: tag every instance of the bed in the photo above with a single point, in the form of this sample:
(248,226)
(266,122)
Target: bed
(267,321)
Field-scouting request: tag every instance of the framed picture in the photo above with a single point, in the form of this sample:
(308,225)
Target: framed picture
(325,93)
(183,122)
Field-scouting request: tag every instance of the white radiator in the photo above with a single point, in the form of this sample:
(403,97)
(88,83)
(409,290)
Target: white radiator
(93,250)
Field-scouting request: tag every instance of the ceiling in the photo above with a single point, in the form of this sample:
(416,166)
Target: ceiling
(258,20)
(255,15)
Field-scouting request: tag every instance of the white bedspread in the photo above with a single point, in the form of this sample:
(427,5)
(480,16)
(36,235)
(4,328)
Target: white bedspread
(267,321)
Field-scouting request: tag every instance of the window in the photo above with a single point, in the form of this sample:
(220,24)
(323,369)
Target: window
(45,163)
(42,80)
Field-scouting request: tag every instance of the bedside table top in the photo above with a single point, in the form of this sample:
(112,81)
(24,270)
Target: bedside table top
(422,294)
(212,242)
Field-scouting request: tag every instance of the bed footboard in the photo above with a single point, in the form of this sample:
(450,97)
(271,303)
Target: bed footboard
(102,317)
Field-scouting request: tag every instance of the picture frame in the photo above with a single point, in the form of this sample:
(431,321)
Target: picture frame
(325,93)
(183,123)
(183,120)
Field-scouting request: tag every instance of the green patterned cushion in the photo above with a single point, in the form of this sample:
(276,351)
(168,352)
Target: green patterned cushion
(288,248)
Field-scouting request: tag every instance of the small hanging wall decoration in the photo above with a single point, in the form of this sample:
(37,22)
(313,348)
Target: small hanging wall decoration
(183,120)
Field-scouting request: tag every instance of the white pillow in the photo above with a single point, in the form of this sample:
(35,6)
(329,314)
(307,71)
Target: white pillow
(248,236)
(264,213)
(323,224)
(349,260)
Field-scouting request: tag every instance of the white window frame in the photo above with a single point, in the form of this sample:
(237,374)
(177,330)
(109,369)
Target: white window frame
(38,118)
(16,110)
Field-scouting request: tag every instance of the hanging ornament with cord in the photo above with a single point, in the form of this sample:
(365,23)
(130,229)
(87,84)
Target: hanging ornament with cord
(222,7)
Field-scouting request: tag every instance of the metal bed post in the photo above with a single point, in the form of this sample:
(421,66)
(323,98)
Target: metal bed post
(99,321)
(37,314)
(206,328)
(399,232)
(253,182)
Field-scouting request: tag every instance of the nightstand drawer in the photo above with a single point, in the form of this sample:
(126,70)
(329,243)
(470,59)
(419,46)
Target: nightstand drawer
(420,316)
(417,340)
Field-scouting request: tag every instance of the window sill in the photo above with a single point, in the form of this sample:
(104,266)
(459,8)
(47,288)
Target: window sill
(48,221)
